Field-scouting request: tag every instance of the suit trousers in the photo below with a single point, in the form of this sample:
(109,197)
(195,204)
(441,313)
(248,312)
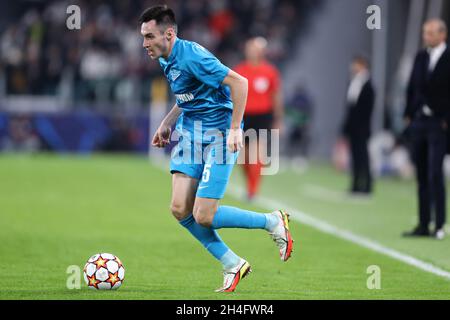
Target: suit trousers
(429,141)
(361,175)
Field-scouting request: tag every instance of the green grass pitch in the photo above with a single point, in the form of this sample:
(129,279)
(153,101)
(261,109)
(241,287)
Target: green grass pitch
(56,211)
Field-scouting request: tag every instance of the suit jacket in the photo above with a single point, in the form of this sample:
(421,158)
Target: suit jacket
(357,121)
(432,89)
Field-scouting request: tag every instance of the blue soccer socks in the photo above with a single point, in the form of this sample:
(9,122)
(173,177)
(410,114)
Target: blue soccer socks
(229,259)
(231,217)
(211,240)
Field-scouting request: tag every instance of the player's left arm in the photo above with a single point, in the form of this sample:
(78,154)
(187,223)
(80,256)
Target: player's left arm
(239,89)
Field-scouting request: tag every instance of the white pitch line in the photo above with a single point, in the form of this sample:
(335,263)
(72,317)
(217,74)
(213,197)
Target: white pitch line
(325,194)
(325,227)
(237,192)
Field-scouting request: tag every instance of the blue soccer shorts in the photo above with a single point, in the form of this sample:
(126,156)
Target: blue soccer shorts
(206,164)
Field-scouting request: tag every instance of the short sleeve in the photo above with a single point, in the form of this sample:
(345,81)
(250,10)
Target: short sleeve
(205,67)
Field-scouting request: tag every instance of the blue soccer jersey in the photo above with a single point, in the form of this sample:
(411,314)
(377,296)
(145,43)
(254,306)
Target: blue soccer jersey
(195,77)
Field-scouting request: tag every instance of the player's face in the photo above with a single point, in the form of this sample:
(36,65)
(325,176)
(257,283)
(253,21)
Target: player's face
(156,40)
(432,36)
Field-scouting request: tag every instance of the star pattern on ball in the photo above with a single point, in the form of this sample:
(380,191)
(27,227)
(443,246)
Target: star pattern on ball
(93,282)
(101,262)
(104,268)
(113,278)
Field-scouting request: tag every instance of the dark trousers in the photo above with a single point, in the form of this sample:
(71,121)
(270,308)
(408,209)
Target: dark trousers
(361,175)
(429,142)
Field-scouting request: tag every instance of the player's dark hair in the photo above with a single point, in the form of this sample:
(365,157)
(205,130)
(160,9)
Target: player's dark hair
(162,15)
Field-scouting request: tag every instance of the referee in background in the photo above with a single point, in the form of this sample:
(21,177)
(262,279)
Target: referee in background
(264,109)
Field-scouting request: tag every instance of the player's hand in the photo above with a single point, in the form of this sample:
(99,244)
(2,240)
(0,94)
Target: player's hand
(235,140)
(162,136)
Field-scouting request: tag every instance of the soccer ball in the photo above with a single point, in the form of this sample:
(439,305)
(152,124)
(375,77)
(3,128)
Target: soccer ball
(104,271)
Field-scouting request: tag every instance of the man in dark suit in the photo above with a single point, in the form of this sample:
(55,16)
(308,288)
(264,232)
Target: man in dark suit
(426,114)
(357,124)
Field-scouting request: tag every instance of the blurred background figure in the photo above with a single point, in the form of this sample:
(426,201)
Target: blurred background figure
(299,112)
(119,139)
(21,136)
(84,77)
(264,110)
(357,125)
(427,115)
(74,84)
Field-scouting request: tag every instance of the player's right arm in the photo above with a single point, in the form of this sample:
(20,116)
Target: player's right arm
(162,135)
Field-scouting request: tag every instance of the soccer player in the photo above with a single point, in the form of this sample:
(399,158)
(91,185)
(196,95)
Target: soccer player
(208,92)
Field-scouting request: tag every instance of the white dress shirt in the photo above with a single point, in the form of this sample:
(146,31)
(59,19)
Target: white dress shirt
(435,54)
(356,85)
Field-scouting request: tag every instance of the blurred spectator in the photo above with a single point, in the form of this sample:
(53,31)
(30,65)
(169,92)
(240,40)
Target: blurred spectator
(357,125)
(298,116)
(220,19)
(12,56)
(37,50)
(21,136)
(119,139)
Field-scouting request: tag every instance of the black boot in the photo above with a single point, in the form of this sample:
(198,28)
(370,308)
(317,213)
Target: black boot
(419,231)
